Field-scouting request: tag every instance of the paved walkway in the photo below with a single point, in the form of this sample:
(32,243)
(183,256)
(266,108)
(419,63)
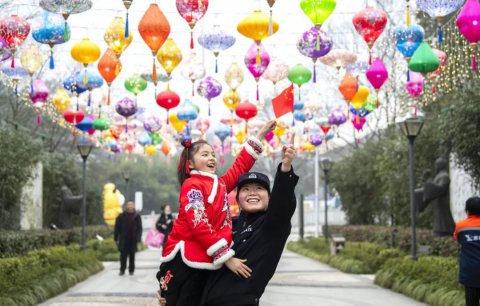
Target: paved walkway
(299,281)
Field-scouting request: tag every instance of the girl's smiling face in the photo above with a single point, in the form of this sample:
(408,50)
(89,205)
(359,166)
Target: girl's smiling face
(204,159)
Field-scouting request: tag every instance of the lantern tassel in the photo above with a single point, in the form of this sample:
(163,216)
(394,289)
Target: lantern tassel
(408,74)
(65,31)
(246,128)
(440,34)
(299,94)
(258,60)
(191,40)
(209,112)
(193,88)
(168,85)
(314,74)
(126,27)
(39,119)
(52,63)
(16,89)
(89,98)
(408,13)
(370,57)
(317,45)
(31,86)
(126,126)
(168,121)
(108,98)
(474,57)
(216,65)
(434,87)
(85,77)
(258,93)
(13,61)
(270,24)
(154,71)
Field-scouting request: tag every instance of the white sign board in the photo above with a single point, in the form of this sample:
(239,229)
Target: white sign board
(461,188)
(138,201)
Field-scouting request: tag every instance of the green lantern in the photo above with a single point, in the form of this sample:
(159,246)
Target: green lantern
(318,10)
(135,84)
(156,138)
(100,124)
(299,75)
(424,60)
(371,103)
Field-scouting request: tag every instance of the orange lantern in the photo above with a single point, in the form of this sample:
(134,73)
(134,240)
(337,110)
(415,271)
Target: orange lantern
(348,86)
(109,67)
(255,26)
(154,29)
(165,148)
(85,52)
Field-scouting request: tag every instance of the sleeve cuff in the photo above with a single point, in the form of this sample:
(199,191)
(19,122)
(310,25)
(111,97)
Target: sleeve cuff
(222,257)
(216,247)
(254,146)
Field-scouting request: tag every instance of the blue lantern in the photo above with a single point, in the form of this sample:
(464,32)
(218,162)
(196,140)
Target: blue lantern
(407,40)
(439,9)
(222,132)
(86,124)
(298,105)
(144,139)
(49,29)
(71,84)
(299,116)
(15,74)
(95,80)
(187,112)
(216,40)
(359,112)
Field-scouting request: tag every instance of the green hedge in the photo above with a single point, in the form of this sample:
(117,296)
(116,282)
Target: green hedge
(17,243)
(433,280)
(439,246)
(107,249)
(39,275)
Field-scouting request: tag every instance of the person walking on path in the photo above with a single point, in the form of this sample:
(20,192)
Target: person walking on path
(128,232)
(164,223)
(467,233)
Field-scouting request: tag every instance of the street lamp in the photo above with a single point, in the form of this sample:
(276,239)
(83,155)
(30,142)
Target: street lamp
(126,177)
(411,127)
(326,165)
(84,149)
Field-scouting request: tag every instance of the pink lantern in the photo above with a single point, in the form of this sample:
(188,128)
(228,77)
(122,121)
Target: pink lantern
(39,95)
(255,66)
(468,22)
(203,124)
(442,57)
(415,84)
(358,122)
(377,75)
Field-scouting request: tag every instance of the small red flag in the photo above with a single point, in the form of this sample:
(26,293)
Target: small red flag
(283,103)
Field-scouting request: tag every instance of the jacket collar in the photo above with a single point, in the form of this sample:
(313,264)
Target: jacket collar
(213,192)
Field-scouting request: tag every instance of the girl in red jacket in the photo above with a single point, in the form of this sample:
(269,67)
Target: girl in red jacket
(202,234)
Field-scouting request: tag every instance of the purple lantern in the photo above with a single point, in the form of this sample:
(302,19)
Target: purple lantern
(468,22)
(216,40)
(337,117)
(152,124)
(315,137)
(257,60)
(314,43)
(209,88)
(126,107)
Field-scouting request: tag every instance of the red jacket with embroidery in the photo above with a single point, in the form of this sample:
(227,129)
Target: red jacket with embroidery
(203,230)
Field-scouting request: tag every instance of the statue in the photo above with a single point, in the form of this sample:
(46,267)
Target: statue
(112,203)
(437,192)
(70,204)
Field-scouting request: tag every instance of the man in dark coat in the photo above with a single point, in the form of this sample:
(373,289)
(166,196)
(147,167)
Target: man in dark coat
(128,232)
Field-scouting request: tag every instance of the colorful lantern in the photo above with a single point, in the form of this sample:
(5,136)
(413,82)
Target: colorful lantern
(100,124)
(154,29)
(71,84)
(371,104)
(299,75)
(135,84)
(360,97)
(424,60)
(73,117)
(209,88)
(439,9)
(177,124)
(370,23)
(193,70)
(109,67)
(31,59)
(468,24)
(216,40)
(348,86)
(222,132)
(66,8)
(358,122)
(169,56)
(408,39)
(377,75)
(168,100)
(86,124)
(276,71)
(192,11)
(203,124)
(15,74)
(442,58)
(61,100)
(187,112)
(415,85)
(126,107)
(14,30)
(246,111)
(85,52)
(49,29)
(257,68)
(318,10)
(315,137)
(116,38)
(234,76)
(152,124)
(39,95)
(339,58)
(94,81)
(314,44)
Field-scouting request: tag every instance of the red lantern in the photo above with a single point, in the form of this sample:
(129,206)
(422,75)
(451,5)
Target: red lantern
(247,111)
(154,29)
(109,67)
(168,100)
(192,11)
(14,30)
(370,23)
(73,117)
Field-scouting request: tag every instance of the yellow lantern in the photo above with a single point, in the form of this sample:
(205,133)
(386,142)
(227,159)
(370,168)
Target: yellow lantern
(360,97)
(240,136)
(169,56)
(309,147)
(177,124)
(279,130)
(61,100)
(115,36)
(31,59)
(150,150)
(85,52)
(231,99)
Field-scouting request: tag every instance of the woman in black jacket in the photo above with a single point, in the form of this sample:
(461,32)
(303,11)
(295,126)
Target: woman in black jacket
(164,223)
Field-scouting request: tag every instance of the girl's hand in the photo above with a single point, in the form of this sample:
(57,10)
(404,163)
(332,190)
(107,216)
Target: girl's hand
(161,301)
(269,126)
(238,267)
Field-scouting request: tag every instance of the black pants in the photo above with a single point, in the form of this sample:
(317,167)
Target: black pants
(181,285)
(128,251)
(472,296)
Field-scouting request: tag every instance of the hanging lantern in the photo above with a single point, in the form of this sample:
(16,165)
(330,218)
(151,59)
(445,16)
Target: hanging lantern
(86,124)
(126,107)
(14,30)
(358,123)
(192,11)
(85,52)
(177,124)
(203,124)
(71,84)
(415,85)
(154,29)
(270,20)
(168,100)
(360,97)
(231,99)
(424,60)
(299,75)
(246,111)
(73,117)
(127,4)
(468,24)
(15,74)
(339,58)
(94,81)
(439,9)
(187,112)
(115,36)
(276,71)
(100,124)
(314,44)
(337,117)
(377,75)
(348,86)
(109,67)
(31,59)
(255,26)
(49,29)
(222,132)
(169,56)
(135,84)
(39,96)
(66,8)
(371,104)
(370,23)
(234,76)
(216,40)
(408,39)
(318,10)
(254,67)
(209,88)
(442,58)
(193,70)
(152,124)
(61,100)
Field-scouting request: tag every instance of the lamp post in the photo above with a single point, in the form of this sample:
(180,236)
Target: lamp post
(326,165)
(411,127)
(316,210)
(126,177)
(84,150)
